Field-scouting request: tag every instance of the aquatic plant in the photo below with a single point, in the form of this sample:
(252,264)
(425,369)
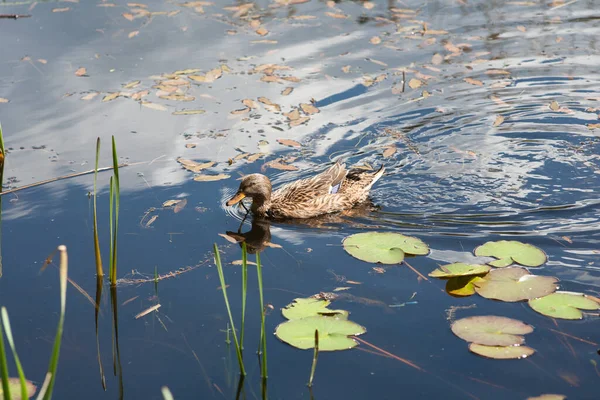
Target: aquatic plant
(99,269)
(27,389)
(238,349)
(115,195)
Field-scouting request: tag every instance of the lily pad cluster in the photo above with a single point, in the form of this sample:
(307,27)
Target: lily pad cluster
(305,315)
(510,252)
(494,337)
(514,283)
(383,247)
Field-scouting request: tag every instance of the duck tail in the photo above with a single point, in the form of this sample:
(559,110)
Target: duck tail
(378,174)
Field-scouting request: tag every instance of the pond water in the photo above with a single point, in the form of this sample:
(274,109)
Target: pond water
(484,113)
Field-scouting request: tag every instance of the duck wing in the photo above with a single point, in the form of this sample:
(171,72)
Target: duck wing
(325,183)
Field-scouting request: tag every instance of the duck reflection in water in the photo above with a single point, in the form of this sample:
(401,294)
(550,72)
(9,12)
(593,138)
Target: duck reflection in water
(259,236)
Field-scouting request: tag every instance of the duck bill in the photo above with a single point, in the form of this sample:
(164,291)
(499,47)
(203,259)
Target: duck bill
(236,199)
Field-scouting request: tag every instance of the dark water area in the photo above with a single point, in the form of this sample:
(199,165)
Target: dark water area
(485,115)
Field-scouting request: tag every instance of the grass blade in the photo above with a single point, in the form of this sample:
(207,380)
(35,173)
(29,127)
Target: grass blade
(64,266)
(263,336)
(166,393)
(2,155)
(99,270)
(99,287)
(11,343)
(4,368)
(110,228)
(315,357)
(244,290)
(238,350)
(117,193)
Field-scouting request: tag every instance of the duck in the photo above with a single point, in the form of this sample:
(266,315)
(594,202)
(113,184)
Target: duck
(333,190)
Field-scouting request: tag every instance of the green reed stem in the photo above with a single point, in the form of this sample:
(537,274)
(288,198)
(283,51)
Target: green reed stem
(2,156)
(244,290)
(99,269)
(167,393)
(263,336)
(63,271)
(11,343)
(117,194)
(4,368)
(315,357)
(238,349)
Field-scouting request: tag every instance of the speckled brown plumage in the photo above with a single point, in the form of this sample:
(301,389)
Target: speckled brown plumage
(333,190)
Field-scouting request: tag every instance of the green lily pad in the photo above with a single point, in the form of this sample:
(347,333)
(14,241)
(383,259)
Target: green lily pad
(566,305)
(333,333)
(514,284)
(383,247)
(548,397)
(501,352)
(309,307)
(509,251)
(491,330)
(462,285)
(459,269)
(15,388)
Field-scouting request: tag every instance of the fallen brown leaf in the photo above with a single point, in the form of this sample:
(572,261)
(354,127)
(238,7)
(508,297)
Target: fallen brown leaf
(309,108)
(472,81)
(81,71)
(287,91)
(193,166)
(554,105)
(299,121)
(153,106)
(188,112)
(415,83)
(499,120)
(133,34)
(250,103)
(90,96)
(336,15)
(389,151)
(289,142)
(210,178)
(64,9)
(375,40)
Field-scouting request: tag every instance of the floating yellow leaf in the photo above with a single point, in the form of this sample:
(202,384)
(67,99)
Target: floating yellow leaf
(254,157)
(250,103)
(293,115)
(287,91)
(133,34)
(437,59)
(3,100)
(140,94)
(193,165)
(90,96)
(497,72)
(244,110)
(299,121)
(131,85)
(262,31)
(55,10)
(281,166)
(154,106)
(554,106)
(336,15)
(309,108)
(128,16)
(289,142)
(210,178)
(269,105)
(389,151)
(111,96)
(81,71)
(375,40)
(186,71)
(178,97)
(499,120)
(472,81)
(188,112)
(415,83)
